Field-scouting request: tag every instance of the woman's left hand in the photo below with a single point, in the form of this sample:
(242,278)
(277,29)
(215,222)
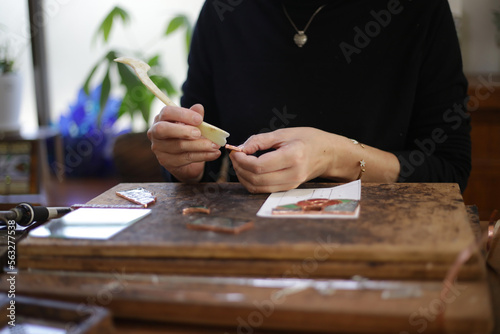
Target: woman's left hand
(300,154)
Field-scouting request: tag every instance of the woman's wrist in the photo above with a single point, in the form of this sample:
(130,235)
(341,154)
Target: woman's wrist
(343,159)
(352,160)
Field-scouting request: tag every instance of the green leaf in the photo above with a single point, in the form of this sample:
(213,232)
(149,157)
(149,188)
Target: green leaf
(127,106)
(189,34)
(123,14)
(146,108)
(105,89)
(107,24)
(154,61)
(86,85)
(164,84)
(175,24)
(181,21)
(111,56)
(128,78)
(136,98)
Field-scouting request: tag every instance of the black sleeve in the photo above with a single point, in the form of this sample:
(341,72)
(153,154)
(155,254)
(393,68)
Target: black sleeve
(198,87)
(438,143)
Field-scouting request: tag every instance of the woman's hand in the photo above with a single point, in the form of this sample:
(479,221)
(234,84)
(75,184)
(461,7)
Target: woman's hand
(302,154)
(178,144)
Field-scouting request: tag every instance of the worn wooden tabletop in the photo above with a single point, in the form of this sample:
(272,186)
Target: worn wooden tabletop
(404,231)
(407,234)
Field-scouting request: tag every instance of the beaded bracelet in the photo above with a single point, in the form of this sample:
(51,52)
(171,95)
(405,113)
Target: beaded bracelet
(362,163)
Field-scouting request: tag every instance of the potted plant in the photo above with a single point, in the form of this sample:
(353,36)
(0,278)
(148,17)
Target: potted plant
(117,82)
(137,98)
(10,92)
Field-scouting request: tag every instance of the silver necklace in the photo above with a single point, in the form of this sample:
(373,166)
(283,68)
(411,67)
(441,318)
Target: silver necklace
(300,38)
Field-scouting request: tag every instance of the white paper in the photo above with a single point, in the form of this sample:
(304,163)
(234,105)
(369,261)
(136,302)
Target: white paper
(90,223)
(23,328)
(351,190)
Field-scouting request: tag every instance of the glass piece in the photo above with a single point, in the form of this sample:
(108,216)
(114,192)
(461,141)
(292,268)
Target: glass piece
(138,196)
(90,224)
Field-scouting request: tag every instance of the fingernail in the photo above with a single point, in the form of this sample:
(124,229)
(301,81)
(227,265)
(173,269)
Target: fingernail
(215,146)
(197,119)
(196,133)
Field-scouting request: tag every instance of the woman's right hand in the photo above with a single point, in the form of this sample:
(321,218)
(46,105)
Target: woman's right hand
(178,144)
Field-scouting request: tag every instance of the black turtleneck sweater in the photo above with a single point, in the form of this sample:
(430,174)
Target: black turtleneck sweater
(387,73)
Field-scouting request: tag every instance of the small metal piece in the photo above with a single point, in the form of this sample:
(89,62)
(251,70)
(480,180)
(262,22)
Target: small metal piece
(196,209)
(317,206)
(138,196)
(107,206)
(233,148)
(362,163)
(355,142)
(289,209)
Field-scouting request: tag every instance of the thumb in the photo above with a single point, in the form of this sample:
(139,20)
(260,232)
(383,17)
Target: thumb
(199,109)
(261,142)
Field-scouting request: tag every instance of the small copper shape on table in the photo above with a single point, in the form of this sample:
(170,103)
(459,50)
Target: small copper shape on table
(196,209)
(318,206)
(233,148)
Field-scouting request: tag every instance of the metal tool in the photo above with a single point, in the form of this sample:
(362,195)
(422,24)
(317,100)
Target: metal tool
(25,214)
(208,131)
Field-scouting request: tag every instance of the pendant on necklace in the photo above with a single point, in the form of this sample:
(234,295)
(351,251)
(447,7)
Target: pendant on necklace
(300,39)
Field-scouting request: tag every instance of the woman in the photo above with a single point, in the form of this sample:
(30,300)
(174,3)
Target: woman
(336,90)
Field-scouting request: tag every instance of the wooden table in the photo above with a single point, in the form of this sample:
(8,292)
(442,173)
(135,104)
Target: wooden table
(406,238)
